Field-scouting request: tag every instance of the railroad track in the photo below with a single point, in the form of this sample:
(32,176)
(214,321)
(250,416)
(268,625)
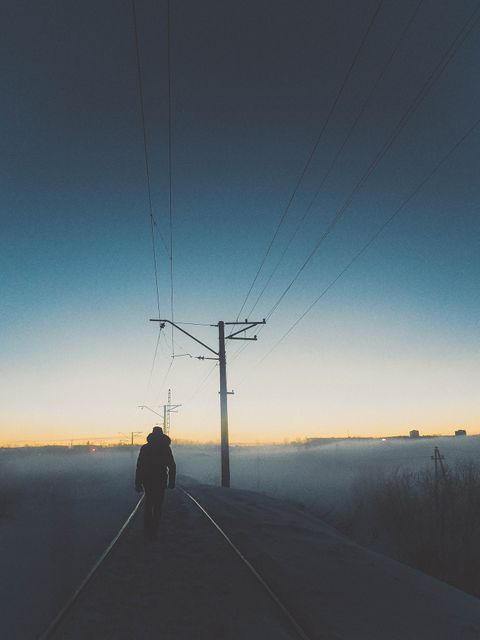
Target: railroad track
(294,625)
(81,587)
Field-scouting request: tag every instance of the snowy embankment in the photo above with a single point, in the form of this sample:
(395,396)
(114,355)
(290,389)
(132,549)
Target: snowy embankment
(187,584)
(58,511)
(321,477)
(60,508)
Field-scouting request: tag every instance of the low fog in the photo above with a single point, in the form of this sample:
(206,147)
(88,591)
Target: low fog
(321,477)
(60,507)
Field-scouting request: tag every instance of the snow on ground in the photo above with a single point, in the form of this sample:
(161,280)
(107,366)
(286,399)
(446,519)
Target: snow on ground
(321,476)
(189,585)
(60,508)
(63,508)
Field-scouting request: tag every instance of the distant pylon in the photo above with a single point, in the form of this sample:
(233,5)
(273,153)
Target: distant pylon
(167,410)
(169,401)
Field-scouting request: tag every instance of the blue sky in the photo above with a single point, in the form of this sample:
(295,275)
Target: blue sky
(393,344)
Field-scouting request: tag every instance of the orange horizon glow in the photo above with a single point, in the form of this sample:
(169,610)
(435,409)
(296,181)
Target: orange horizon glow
(113,441)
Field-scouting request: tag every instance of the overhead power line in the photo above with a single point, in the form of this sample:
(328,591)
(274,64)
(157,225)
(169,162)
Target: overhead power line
(312,153)
(339,151)
(164,380)
(202,383)
(170,191)
(152,368)
(146,158)
(379,231)
(464,32)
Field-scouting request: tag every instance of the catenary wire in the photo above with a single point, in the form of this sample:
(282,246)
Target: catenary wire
(464,32)
(202,383)
(450,52)
(332,165)
(377,233)
(153,224)
(146,157)
(309,160)
(152,368)
(312,153)
(339,152)
(164,380)
(170,190)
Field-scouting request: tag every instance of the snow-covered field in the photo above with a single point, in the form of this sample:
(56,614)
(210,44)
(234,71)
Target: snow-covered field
(321,476)
(188,585)
(59,508)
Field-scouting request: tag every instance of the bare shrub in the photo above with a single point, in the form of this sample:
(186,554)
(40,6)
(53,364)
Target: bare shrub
(430,522)
(8,496)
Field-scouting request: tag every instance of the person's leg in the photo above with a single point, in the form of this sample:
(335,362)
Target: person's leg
(148,511)
(157,508)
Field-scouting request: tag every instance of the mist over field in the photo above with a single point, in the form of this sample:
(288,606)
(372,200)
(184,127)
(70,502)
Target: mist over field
(322,476)
(60,507)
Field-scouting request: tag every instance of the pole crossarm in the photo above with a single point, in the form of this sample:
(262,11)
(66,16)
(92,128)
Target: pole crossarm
(245,322)
(185,332)
(250,325)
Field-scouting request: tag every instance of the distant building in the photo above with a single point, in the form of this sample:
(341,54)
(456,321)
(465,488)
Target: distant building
(414,433)
(460,432)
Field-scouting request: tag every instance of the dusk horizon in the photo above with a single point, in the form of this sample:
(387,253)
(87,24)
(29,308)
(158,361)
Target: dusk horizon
(315,167)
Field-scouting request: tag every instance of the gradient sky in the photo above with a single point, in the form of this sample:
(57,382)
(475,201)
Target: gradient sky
(393,345)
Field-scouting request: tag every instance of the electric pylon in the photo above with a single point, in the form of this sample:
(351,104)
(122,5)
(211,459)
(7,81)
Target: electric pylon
(222,360)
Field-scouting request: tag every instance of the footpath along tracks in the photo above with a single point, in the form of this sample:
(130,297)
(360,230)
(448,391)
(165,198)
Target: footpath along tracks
(291,627)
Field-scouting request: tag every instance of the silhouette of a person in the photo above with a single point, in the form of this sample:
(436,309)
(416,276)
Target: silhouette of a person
(156,469)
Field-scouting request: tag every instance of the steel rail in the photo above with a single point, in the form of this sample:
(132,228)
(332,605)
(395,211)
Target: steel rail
(56,621)
(286,613)
(71,601)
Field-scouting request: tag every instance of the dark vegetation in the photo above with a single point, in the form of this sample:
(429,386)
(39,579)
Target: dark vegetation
(428,520)
(8,495)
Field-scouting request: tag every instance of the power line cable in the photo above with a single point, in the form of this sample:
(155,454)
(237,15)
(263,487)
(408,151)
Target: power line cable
(154,359)
(312,152)
(379,231)
(309,160)
(202,383)
(167,373)
(145,150)
(464,32)
(170,191)
(333,163)
(339,151)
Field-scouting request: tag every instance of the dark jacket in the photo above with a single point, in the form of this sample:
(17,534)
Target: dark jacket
(155,465)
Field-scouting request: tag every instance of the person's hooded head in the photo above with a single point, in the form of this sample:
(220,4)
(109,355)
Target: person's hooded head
(158,437)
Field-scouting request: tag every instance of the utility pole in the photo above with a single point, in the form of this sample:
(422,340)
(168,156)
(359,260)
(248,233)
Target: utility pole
(438,460)
(132,434)
(220,355)
(167,410)
(135,433)
(224,445)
